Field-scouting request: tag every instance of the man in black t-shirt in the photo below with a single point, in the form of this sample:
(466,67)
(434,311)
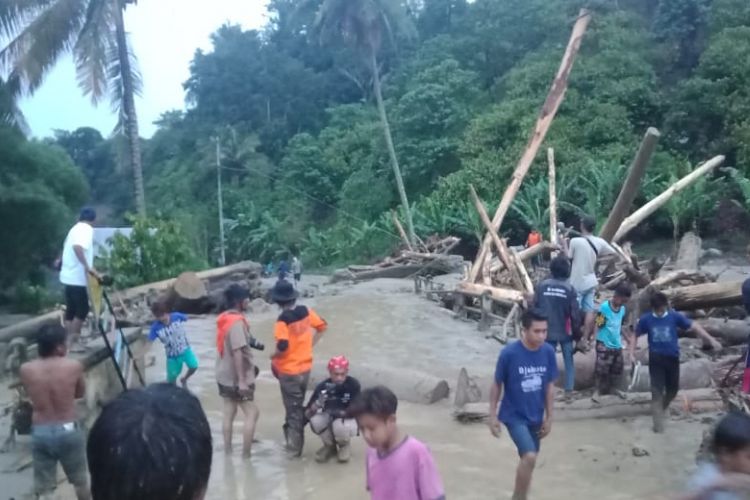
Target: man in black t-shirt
(327,411)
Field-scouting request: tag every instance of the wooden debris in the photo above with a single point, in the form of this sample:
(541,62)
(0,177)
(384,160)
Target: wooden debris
(552,197)
(706,295)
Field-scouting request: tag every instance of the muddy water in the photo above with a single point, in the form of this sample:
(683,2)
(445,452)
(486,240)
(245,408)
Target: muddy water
(384,323)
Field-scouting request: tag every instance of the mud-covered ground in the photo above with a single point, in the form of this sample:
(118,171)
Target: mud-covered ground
(383,323)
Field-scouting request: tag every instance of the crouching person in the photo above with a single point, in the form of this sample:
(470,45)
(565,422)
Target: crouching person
(327,411)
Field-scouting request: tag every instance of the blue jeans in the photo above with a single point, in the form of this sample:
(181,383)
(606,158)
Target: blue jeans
(525,436)
(567,351)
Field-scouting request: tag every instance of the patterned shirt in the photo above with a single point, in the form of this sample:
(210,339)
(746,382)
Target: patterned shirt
(172,335)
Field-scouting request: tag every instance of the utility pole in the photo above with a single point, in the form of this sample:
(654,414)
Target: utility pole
(222,257)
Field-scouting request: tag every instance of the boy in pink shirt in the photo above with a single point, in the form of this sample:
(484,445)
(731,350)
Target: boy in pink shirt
(399,467)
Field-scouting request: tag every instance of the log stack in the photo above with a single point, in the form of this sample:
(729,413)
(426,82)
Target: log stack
(432,258)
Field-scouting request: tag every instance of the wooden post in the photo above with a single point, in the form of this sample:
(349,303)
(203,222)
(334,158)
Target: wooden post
(486,306)
(417,284)
(632,184)
(552,197)
(549,109)
(652,206)
(502,250)
(401,231)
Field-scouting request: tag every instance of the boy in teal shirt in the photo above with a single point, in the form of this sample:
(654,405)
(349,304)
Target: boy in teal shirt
(609,333)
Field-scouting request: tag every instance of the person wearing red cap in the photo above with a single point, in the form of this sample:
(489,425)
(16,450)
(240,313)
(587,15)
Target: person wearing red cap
(327,411)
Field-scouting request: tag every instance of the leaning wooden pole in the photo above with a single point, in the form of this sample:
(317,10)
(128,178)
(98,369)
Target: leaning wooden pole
(552,197)
(502,250)
(632,184)
(547,114)
(652,206)
(401,231)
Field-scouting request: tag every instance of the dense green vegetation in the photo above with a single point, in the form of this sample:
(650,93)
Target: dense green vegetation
(305,161)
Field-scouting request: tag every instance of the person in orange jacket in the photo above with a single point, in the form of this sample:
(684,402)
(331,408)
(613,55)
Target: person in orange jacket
(534,238)
(297,330)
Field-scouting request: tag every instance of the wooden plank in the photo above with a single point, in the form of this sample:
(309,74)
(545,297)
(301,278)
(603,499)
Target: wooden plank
(552,197)
(546,115)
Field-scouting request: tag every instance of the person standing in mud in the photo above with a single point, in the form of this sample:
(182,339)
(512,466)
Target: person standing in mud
(169,328)
(327,411)
(583,252)
(556,298)
(53,382)
(297,330)
(296,269)
(76,265)
(525,374)
(661,324)
(610,329)
(235,368)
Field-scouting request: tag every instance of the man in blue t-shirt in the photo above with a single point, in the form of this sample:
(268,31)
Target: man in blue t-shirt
(524,375)
(169,328)
(661,325)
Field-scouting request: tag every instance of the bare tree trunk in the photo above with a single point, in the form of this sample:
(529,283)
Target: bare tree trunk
(389,145)
(130,119)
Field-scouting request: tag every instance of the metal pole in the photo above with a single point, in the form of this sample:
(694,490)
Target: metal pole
(223,259)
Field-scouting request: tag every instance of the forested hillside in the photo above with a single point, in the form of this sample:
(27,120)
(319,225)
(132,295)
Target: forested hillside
(305,162)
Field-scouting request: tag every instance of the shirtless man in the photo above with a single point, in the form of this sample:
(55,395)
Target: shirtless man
(53,382)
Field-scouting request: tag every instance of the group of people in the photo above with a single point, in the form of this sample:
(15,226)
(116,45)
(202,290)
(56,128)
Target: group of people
(156,442)
(291,267)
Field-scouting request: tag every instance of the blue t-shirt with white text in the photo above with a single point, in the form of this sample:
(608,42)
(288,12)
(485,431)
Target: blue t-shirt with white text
(172,335)
(662,331)
(525,376)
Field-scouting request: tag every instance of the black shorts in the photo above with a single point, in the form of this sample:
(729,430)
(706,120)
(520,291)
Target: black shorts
(664,372)
(297,276)
(76,302)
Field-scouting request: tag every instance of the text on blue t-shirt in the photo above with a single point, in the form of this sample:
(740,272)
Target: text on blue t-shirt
(172,335)
(609,325)
(525,376)
(662,331)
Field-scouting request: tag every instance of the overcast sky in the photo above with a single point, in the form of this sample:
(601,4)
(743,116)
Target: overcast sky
(164,35)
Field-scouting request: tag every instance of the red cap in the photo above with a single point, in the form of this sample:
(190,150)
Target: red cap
(338,363)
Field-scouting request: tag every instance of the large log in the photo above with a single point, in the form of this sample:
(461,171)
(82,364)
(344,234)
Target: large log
(546,115)
(706,295)
(728,331)
(499,294)
(30,327)
(688,401)
(188,294)
(652,206)
(689,252)
(632,184)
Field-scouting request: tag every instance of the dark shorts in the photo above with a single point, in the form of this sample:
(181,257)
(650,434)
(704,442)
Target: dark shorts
(525,437)
(297,276)
(53,443)
(76,302)
(233,393)
(664,372)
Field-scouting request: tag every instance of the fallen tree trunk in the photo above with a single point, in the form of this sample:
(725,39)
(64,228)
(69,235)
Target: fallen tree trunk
(729,331)
(706,295)
(408,385)
(652,206)
(501,294)
(679,276)
(30,327)
(689,252)
(546,115)
(188,294)
(631,186)
(687,402)
(440,265)
(552,197)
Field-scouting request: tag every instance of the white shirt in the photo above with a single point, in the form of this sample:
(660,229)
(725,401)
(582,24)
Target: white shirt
(72,271)
(583,267)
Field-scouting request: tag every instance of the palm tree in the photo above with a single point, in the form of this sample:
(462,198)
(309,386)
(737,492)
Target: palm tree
(363,23)
(40,31)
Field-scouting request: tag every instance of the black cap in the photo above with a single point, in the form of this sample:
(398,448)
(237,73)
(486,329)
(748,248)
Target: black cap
(283,291)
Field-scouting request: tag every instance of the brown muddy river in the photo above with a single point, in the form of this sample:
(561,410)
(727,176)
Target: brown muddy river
(384,324)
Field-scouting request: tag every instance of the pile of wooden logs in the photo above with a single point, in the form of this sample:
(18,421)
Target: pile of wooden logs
(431,257)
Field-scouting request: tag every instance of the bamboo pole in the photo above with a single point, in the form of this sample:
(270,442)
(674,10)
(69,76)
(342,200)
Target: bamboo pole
(502,250)
(546,115)
(632,184)
(401,231)
(552,197)
(652,206)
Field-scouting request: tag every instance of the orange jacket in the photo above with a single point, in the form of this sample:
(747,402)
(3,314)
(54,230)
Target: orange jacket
(535,237)
(297,326)
(224,323)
